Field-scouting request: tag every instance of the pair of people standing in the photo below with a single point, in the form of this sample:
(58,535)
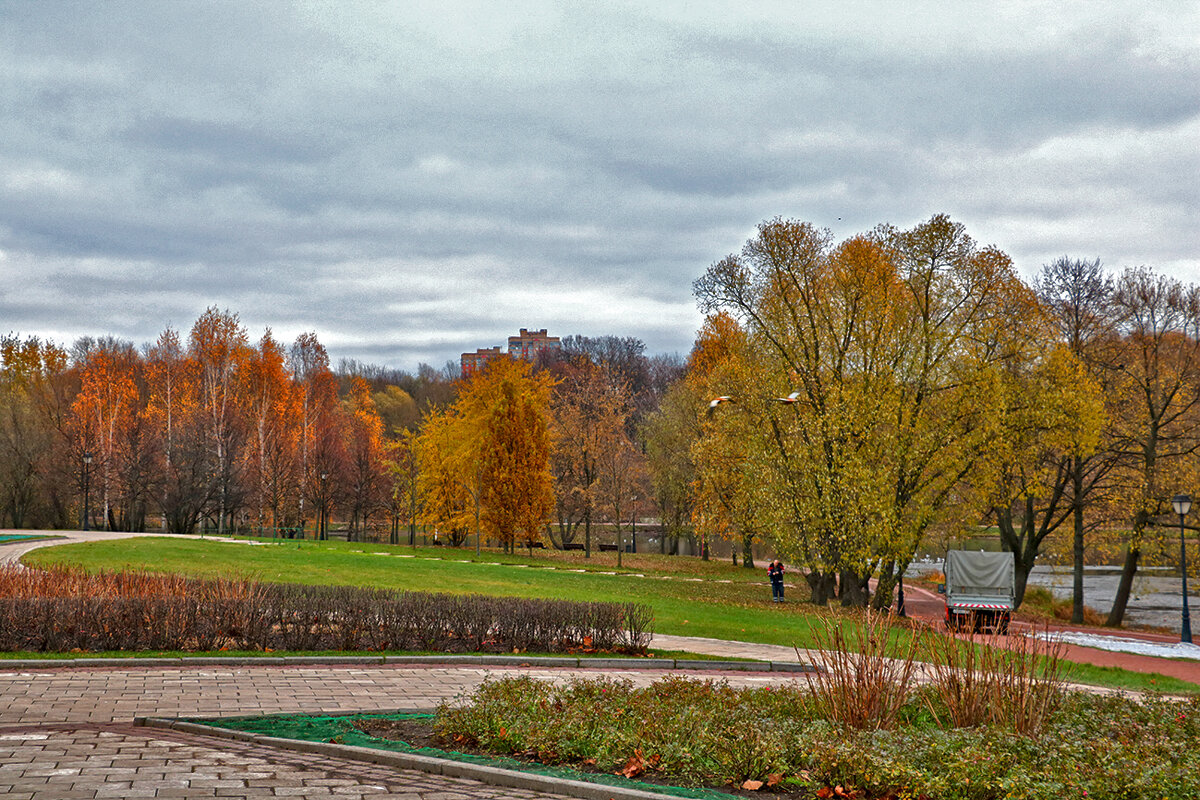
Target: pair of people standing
(775,573)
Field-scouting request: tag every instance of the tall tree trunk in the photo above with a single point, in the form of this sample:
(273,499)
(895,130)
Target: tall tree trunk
(587,532)
(822,585)
(1020,581)
(747,552)
(854,591)
(882,599)
(1124,588)
(1077,515)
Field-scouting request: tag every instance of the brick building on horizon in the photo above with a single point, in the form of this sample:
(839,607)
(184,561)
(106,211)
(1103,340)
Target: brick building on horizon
(527,346)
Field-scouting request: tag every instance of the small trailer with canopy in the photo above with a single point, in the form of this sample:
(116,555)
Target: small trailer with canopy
(980,590)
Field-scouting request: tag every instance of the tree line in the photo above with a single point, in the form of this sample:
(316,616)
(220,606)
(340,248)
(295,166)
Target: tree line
(211,430)
(845,404)
(869,393)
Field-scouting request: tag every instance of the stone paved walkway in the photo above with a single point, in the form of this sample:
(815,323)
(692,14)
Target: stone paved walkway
(67,733)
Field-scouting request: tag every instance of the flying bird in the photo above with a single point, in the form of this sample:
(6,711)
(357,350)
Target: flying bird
(722,399)
(791,398)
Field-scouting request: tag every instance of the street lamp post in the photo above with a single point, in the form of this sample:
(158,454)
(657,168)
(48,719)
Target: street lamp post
(1183,504)
(87,477)
(633,527)
(324,524)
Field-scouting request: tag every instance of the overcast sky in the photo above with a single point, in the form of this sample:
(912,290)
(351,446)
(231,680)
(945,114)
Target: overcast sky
(412,180)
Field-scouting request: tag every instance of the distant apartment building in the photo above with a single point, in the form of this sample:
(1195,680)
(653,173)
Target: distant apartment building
(527,346)
(473,362)
(531,344)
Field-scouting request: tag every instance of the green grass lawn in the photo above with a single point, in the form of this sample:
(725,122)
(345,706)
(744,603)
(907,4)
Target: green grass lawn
(709,599)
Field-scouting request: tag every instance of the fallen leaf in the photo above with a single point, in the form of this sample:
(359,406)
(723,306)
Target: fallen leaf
(824,792)
(635,766)
(774,779)
(752,785)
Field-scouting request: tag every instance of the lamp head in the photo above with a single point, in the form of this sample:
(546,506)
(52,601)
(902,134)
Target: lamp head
(87,458)
(1182,504)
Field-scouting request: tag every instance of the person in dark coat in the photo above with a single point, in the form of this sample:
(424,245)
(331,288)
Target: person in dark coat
(775,573)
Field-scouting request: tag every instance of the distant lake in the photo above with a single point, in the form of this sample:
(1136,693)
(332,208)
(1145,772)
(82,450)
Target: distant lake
(1154,601)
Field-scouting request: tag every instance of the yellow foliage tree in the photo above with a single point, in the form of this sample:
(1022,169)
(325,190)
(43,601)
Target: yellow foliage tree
(446,477)
(870,380)
(1051,414)
(508,408)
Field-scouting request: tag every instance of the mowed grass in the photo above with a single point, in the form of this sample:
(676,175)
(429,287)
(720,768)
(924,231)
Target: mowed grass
(690,597)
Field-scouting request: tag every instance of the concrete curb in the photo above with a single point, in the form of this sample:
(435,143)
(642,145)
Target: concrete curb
(493,776)
(8,665)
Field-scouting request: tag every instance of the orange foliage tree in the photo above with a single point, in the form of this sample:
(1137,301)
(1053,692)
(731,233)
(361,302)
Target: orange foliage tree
(106,418)
(510,406)
(367,481)
(219,346)
(270,399)
(590,408)
(32,376)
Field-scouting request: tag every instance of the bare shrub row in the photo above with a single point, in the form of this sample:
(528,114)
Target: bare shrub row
(868,673)
(64,610)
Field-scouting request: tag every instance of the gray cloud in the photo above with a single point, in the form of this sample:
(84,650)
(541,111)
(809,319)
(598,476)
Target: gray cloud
(413,181)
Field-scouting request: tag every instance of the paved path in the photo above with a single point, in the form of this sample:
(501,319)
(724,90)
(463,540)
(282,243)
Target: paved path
(67,733)
(11,552)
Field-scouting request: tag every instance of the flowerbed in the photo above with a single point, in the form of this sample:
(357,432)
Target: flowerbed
(65,610)
(704,733)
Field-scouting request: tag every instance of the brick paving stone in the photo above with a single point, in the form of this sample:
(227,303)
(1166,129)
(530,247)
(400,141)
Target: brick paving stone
(268,773)
(66,733)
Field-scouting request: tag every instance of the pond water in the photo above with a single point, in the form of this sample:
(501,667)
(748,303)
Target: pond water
(1155,599)
(1154,602)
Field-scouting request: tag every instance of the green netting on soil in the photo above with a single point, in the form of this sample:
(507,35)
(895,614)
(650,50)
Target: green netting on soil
(20,537)
(340,729)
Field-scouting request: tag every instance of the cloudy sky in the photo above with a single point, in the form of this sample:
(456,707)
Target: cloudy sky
(411,180)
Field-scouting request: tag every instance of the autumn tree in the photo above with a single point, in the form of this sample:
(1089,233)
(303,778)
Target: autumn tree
(366,469)
(727,491)
(508,408)
(403,466)
(397,410)
(106,418)
(670,434)
(447,475)
(219,346)
(1155,386)
(870,375)
(178,423)
(621,485)
(1051,415)
(31,373)
(273,415)
(1075,295)
(316,396)
(590,407)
